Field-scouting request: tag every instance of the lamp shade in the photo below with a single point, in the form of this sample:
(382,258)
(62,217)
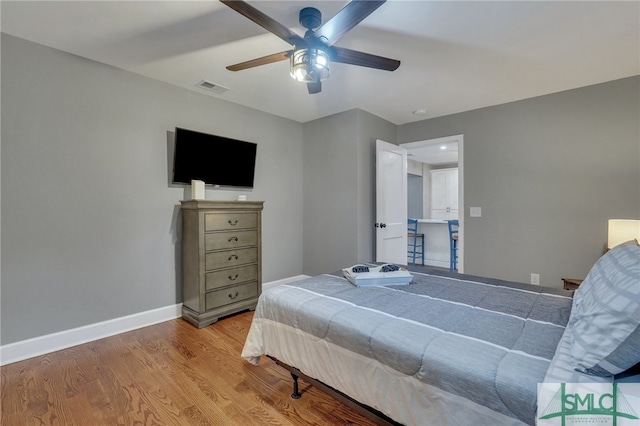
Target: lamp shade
(621,231)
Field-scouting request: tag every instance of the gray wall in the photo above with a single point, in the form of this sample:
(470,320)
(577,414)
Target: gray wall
(339,182)
(414,196)
(548,173)
(330,184)
(90,224)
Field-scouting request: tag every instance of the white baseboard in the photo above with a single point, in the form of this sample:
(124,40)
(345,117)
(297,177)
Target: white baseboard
(19,351)
(266,286)
(30,348)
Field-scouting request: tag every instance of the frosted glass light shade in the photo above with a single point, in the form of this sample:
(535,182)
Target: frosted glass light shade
(309,65)
(621,231)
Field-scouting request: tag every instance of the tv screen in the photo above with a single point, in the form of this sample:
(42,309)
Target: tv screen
(216,160)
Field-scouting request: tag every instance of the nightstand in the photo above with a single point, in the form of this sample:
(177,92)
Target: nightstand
(571,283)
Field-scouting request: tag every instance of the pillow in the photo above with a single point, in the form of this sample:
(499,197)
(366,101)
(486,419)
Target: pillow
(605,318)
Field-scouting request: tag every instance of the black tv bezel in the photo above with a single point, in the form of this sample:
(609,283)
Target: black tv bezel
(215,183)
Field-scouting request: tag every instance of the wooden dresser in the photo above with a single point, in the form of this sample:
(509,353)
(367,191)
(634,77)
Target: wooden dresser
(221,258)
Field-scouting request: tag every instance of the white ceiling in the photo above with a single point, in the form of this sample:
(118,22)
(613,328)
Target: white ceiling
(433,153)
(456,55)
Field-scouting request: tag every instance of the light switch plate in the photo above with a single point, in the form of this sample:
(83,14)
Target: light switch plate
(475,211)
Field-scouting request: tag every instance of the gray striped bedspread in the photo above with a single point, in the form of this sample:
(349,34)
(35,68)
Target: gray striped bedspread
(485,340)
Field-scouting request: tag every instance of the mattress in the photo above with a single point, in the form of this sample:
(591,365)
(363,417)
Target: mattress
(447,348)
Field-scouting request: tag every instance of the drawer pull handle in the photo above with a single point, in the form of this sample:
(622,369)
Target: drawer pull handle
(232,296)
(233,239)
(234,223)
(233,256)
(232,278)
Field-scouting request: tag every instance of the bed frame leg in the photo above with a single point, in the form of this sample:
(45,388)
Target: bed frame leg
(296,393)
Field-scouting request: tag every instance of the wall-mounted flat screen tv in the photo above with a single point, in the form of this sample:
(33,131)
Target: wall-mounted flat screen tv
(216,160)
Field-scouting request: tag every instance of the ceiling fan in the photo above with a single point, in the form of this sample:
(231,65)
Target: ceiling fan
(312,54)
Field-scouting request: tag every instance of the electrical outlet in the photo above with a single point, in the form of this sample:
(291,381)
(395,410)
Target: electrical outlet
(535,279)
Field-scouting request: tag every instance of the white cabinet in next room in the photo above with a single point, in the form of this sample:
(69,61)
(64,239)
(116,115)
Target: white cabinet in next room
(444,194)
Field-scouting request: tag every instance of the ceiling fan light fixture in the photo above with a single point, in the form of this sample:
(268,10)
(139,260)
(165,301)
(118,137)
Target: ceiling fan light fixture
(309,65)
(310,57)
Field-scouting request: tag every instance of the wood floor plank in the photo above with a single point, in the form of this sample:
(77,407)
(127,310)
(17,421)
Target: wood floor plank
(167,374)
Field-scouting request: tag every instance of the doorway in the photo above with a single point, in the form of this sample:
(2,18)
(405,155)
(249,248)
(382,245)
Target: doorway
(433,154)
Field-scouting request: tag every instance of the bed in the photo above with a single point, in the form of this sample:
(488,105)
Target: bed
(445,349)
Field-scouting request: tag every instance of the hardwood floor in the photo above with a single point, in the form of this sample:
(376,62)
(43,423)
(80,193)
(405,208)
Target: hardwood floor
(166,374)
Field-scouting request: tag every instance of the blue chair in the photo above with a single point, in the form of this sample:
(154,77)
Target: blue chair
(453,243)
(414,247)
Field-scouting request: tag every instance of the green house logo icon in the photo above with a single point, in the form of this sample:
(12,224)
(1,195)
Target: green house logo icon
(613,405)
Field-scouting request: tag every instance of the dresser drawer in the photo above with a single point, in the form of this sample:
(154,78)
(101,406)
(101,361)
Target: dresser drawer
(231,239)
(230,276)
(228,258)
(217,298)
(225,221)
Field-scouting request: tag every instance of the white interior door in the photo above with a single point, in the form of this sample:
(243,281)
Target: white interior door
(391,203)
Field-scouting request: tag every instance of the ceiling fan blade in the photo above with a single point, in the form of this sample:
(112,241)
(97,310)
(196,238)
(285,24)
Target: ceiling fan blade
(353,57)
(264,21)
(314,87)
(276,57)
(350,16)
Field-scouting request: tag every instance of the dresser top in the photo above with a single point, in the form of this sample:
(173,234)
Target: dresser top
(221,204)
